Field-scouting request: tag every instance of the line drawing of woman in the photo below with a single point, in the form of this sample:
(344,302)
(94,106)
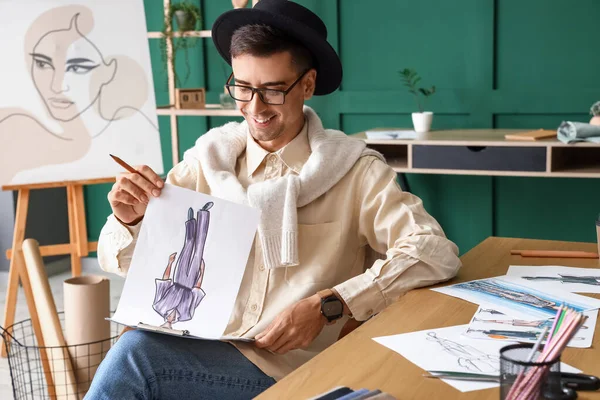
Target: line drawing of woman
(176,299)
(467,357)
(92,104)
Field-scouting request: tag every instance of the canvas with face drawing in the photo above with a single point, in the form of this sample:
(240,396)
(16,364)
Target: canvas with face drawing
(188,264)
(76,85)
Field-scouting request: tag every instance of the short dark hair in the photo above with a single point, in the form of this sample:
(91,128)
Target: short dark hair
(263,40)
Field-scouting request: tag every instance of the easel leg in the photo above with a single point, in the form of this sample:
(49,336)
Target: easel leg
(80,226)
(73,236)
(16,259)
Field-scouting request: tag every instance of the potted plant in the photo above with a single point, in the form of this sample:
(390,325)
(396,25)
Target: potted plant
(422,119)
(187,18)
(595,111)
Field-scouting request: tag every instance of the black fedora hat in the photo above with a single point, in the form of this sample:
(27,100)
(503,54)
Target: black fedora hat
(296,21)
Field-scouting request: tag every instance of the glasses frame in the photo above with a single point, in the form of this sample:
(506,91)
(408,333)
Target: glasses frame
(261,90)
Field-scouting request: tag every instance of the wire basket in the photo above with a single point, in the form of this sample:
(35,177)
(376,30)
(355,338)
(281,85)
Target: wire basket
(38,372)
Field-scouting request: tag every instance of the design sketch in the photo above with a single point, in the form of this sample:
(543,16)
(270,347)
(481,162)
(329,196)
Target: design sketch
(517,295)
(511,335)
(467,356)
(177,298)
(586,280)
(489,311)
(84,94)
(540,324)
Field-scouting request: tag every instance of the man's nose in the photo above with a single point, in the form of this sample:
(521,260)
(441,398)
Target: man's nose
(255,106)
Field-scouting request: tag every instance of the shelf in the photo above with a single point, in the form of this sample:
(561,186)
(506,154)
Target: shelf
(202,34)
(487,153)
(214,110)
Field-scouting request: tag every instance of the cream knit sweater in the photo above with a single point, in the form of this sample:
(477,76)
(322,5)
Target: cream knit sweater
(333,154)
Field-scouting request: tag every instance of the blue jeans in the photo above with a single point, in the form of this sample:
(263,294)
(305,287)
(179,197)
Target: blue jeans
(147,365)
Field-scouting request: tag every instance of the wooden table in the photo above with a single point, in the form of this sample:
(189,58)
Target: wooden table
(359,362)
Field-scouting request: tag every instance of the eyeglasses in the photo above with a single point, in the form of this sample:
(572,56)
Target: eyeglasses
(268,96)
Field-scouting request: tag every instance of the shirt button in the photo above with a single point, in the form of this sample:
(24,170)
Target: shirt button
(253,307)
(369,312)
(261,268)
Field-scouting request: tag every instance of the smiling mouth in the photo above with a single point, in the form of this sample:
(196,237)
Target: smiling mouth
(262,121)
(60,103)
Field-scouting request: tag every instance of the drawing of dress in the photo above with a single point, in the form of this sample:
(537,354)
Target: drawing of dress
(177,299)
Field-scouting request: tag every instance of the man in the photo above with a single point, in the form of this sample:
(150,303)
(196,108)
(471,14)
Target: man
(328,205)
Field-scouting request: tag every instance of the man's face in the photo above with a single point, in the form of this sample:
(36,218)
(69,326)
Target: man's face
(273,123)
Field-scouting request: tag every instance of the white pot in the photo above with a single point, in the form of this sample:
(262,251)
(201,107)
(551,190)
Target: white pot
(422,121)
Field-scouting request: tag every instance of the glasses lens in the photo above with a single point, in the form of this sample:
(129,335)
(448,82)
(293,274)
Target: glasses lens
(240,93)
(272,96)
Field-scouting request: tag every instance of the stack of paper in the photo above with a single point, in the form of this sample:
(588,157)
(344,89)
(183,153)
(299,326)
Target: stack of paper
(512,308)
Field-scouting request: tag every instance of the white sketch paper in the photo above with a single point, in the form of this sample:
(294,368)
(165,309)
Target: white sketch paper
(570,279)
(188,263)
(512,297)
(491,324)
(444,349)
(76,85)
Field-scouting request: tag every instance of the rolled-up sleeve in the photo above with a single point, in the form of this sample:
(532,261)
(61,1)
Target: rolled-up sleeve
(395,223)
(116,245)
(117,241)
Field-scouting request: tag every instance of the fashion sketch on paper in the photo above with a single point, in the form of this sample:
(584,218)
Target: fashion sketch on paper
(585,280)
(539,324)
(467,357)
(519,295)
(517,336)
(179,291)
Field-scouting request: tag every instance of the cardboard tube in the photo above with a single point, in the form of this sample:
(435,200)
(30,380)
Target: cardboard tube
(87,304)
(60,362)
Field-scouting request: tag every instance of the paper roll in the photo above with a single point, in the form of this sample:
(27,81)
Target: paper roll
(54,341)
(87,305)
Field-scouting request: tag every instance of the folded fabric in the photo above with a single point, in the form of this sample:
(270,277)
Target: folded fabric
(572,132)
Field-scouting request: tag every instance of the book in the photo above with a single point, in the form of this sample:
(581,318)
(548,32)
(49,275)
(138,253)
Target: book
(531,135)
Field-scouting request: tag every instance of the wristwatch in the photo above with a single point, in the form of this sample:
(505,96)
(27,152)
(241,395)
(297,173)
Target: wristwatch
(332,308)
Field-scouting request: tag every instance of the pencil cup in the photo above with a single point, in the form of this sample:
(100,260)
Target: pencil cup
(527,380)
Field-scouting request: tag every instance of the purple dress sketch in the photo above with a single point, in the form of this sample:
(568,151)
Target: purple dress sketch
(176,299)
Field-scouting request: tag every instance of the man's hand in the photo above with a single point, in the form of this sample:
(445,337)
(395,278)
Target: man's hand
(131,192)
(294,328)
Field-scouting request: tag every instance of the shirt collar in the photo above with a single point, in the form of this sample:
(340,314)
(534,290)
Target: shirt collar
(293,155)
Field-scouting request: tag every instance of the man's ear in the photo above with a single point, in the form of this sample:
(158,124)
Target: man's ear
(309,83)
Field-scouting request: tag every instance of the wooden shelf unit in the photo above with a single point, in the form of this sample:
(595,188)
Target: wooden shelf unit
(170,111)
(210,110)
(201,34)
(486,152)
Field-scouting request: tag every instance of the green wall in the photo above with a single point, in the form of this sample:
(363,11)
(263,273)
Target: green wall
(496,64)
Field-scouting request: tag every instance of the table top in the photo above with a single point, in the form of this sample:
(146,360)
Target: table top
(470,137)
(357,361)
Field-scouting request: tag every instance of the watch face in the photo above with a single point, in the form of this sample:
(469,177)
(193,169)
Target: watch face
(333,308)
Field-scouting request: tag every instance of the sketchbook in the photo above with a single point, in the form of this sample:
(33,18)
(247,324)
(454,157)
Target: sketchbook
(188,265)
